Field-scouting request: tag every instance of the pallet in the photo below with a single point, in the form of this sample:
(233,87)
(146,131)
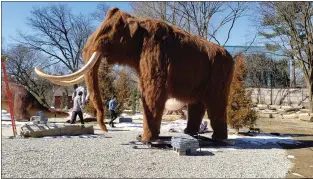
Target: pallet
(185,152)
(165,142)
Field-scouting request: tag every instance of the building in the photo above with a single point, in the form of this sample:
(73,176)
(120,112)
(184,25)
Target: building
(57,96)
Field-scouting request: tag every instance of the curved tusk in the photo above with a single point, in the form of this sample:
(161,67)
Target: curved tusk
(69,83)
(92,61)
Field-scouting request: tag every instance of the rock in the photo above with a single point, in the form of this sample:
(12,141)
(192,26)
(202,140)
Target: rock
(286,107)
(290,116)
(305,110)
(172,117)
(306,118)
(265,115)
(267,111)
(298,107)
(125,119)
(290,156)
(290,110)
(274,107)
(262,106)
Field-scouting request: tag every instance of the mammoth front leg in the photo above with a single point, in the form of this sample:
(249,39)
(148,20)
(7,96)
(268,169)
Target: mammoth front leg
(91,79)
(195,116)
(153,101)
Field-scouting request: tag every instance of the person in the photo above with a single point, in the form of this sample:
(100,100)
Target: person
(112,109)
(85,94)
(77,108)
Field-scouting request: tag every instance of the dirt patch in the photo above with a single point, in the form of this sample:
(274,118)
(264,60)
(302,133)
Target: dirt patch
(302,154)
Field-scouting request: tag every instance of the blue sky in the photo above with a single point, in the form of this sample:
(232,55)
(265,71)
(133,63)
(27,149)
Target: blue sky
(14,16)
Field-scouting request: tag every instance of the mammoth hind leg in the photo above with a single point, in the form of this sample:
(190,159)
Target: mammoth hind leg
(218,119)
(195,115)
(91,79)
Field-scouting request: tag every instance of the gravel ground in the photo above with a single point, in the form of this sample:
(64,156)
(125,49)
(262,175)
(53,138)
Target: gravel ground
(112,156)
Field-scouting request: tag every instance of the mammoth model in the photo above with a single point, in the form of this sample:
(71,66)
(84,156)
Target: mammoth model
(25,104)
(170,63)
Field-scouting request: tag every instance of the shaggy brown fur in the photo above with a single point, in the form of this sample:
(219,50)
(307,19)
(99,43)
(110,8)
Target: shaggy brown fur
(170,63)
(25,104)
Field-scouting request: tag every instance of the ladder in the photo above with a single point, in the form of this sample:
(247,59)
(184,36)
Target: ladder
(9,96)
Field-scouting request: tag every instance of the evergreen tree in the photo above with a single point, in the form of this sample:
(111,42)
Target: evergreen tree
(123,91)
(240,112)
(134,101)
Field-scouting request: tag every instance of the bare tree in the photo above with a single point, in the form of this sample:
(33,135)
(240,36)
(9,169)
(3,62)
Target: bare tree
(100,12)
(58,33)
(20,68)
(165,11)
(196,17)
(288,27)
(263,71)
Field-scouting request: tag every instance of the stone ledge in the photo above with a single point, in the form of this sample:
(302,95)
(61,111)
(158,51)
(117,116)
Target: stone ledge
(41,130)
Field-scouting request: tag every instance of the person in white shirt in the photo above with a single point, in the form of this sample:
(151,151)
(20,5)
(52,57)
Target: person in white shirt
(77,108)
(85,94)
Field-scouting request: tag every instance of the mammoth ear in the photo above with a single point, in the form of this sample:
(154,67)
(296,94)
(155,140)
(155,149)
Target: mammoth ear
(133,26)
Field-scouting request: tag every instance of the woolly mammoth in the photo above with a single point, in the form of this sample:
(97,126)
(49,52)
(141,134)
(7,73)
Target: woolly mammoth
(170,63)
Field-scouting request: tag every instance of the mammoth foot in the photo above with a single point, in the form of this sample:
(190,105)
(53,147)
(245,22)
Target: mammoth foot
(144,140)
(190,132)
(219,137)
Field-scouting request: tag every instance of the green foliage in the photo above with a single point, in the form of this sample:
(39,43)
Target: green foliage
(135,98)
(240,112)
(123,91)
(108,89)
(268,35)
(272,47)
(268,20)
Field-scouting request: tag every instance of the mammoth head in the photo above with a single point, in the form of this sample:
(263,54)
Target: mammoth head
(117,39)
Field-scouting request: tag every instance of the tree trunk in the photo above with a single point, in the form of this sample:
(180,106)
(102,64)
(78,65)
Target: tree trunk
(293,83)
(310,88)
(311,97)
(271,75)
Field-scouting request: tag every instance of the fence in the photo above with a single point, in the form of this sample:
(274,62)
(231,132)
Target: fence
(280,96)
